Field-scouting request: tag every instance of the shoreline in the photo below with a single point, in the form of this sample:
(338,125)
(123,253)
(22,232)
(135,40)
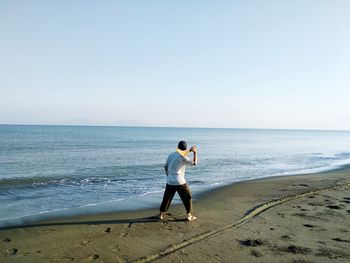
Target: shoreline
(58,215)
(133,235)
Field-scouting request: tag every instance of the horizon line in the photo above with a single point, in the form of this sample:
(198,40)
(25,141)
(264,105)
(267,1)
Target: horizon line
(172,127)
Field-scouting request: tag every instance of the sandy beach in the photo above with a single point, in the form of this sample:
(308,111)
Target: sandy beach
(304,218)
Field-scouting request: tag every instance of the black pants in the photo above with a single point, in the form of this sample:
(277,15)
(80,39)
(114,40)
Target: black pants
(184,193)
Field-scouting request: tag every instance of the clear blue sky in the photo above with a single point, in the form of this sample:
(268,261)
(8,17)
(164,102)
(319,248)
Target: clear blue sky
(254,64)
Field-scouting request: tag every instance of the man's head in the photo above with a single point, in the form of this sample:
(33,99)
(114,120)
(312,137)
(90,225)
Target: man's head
(182,145)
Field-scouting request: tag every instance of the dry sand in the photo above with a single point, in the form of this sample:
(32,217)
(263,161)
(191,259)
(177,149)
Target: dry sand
(283,219)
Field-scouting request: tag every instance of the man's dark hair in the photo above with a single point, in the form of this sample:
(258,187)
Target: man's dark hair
(182,145)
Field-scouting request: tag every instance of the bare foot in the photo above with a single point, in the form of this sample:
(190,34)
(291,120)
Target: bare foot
(191,218)
(160,216)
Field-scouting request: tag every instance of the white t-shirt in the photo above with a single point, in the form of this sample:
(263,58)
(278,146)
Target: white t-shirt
(176,167)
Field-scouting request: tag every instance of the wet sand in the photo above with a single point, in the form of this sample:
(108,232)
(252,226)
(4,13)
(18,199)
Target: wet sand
(304,218)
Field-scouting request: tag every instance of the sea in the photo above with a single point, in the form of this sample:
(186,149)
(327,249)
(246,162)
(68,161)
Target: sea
(59,171)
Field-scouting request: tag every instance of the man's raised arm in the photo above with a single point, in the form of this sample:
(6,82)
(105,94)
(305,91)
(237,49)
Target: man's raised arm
(194,150)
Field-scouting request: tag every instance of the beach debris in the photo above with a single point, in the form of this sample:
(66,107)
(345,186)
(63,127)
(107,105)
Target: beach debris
(251,242)
(308,225)
(7,240)
(11,252)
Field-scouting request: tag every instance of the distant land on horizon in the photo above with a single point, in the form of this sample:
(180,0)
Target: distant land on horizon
(146,125)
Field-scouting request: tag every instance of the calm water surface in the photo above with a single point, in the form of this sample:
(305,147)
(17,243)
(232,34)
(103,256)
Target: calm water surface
(63,170)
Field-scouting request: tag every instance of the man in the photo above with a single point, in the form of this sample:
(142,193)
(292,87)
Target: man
(175,167)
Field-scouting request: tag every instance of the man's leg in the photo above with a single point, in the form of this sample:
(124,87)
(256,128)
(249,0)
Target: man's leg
(186,197)
(167,198)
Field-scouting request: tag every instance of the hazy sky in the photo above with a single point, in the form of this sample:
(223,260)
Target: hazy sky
(254,64)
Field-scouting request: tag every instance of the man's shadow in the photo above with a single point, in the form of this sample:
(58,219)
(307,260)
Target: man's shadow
(130,222)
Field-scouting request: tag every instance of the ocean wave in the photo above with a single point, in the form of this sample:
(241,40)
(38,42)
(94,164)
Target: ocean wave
(86,176)
(45,182)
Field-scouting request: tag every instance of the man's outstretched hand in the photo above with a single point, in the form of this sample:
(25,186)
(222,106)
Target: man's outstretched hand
(193,149)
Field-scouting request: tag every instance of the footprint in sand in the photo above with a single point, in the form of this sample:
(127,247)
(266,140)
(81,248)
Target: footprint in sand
(341,240)
(122,234)
(90,258)
(295,249)
(331,253)
(256,253)
(107,230)
(346,200)
(68,258)
(338,207)
(11,252)
(285,237)
(251,242)
(281,215)
(84,242)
